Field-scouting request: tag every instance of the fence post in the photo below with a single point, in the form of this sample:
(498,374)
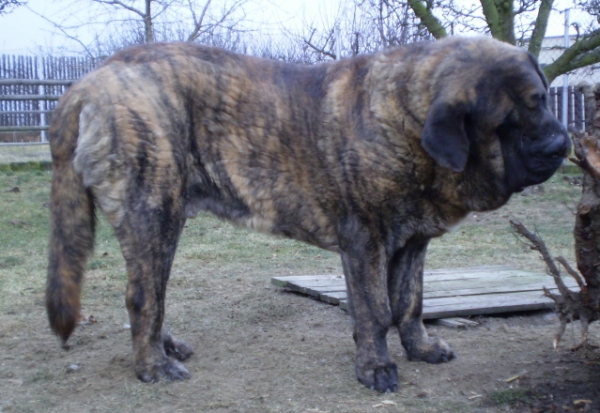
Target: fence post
(565,91)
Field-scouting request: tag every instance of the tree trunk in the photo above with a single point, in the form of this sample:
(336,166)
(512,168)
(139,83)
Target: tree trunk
(587,224)
(539,29)
(585,304)
(148,29)
(500,18)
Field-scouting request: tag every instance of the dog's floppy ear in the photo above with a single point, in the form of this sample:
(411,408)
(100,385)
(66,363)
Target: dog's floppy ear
(444,137)
(538,70)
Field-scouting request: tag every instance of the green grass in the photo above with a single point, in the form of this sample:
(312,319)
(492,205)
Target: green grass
(23,235)
(23,154)
(488,239)
(511,397)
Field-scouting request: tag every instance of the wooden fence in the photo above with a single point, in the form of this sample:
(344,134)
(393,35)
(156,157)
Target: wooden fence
(575,106)
(30,87)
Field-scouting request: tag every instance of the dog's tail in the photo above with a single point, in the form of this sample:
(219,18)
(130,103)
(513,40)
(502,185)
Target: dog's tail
(72,223)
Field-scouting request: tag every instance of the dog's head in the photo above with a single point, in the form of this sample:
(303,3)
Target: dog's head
(490,121)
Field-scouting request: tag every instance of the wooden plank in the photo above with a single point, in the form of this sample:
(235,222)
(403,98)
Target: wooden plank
(487,290)
(284,281)
(24,144)
(486,300)
(488,268)
(453,272)
(456,322)
(483,305)
(305,284)
(281,282)
(333,288)
(29,97)
(430,276)
(295,278)
(333,297)
(483,282)
(23,128)
(467,275)
(34,82)
(309,289)
(466,307)
(449,293)
(448,289)
(25,112)
(321,283)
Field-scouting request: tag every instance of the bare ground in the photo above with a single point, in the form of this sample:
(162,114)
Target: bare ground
(259,349)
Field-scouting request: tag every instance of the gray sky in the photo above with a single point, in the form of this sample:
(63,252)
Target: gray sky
(23,32)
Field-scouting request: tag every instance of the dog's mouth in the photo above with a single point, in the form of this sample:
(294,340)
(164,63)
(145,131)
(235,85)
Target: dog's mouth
(535,169)
(545,157)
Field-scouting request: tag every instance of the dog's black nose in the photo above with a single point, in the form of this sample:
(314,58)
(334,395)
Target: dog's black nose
(556,147)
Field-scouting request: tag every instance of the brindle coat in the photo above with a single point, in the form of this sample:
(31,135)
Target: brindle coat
(370,157)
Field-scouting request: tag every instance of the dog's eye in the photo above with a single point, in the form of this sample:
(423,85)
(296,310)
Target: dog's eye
(537,100)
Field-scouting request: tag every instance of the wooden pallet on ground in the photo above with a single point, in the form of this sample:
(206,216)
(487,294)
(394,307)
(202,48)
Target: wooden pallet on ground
(456,292)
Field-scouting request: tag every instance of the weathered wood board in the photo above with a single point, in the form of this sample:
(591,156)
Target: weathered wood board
(456,292)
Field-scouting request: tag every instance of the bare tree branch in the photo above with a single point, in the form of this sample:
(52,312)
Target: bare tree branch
(321,49)
(198,22)
(570,306)
(140,13)
(64,32)
(538,245)
(121,23)
(572,272)
(7,5)
(583,52)
(434,26)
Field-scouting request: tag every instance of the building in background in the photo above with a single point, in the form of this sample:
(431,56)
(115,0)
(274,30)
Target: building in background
(552,48)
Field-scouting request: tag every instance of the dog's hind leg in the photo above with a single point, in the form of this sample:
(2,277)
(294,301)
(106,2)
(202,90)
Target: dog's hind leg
(405,286)
(148,233)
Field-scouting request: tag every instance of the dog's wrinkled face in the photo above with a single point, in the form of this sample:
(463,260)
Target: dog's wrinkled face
(498,133)
(534,143)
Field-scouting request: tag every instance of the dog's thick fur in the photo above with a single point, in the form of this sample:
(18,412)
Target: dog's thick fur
(370,157)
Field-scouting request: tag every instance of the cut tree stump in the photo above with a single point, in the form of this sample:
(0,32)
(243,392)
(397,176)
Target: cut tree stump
(456,292)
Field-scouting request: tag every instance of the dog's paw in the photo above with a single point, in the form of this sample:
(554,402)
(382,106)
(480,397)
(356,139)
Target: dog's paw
(431,350)
(170,369)
(178,349)
(384,379)
(174,370)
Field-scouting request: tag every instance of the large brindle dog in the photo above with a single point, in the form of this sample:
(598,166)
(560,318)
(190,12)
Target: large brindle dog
(370,157)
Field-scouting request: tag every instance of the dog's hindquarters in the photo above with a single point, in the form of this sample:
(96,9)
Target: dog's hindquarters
(124,162)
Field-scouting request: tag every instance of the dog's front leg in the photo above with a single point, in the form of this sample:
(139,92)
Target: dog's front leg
(364,268)
(405,281)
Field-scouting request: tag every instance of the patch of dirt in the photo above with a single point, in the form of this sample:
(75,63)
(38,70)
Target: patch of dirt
(262,349)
